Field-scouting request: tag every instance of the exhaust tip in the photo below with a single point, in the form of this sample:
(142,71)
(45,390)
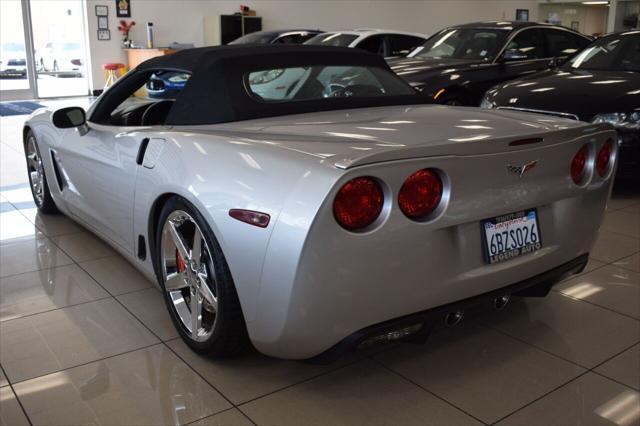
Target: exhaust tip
(500,302)
(453,318)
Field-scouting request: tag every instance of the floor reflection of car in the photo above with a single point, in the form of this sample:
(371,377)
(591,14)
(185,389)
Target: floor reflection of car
(62,57)
(13,63)
(599,84)
(166,85)
(459,64)
(277,37)
(382,42)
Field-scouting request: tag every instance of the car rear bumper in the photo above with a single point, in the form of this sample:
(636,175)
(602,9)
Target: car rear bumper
(537,286)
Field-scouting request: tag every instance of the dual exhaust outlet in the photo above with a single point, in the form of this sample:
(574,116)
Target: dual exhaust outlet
(452,319)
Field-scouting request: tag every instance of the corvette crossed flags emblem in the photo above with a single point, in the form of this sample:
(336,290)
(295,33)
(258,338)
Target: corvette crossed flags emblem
(521,170)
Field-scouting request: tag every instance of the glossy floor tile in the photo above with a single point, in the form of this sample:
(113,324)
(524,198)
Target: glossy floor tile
(14,227)
(146,387)
(622,222)
(364,393)
(47,289)
(83,246)
(40,344)
(149,307)
(32,255)
(611,246)
(632,262)
(579,332)
(611,287)
(624,368)
(484,372)
(3,379)
(590,400)
(250,376)
(232,417)
(116,275)
(52,225)
(11,413)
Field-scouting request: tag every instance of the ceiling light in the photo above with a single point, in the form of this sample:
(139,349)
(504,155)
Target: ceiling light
(594,3)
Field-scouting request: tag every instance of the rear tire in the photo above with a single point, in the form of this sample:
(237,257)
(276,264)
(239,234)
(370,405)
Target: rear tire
(200,283)
(37,178)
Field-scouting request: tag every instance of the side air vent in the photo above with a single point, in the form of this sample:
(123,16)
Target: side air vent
(56,169)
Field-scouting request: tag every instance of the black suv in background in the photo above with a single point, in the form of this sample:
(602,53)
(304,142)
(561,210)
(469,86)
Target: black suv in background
(457,65)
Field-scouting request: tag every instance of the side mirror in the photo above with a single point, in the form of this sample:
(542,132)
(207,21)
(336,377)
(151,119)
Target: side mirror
(66,118)
(514,55)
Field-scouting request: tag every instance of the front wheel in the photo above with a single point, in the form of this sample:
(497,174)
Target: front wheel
(37,179)
(196,282)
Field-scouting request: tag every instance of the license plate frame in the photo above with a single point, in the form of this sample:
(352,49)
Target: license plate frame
(513,252)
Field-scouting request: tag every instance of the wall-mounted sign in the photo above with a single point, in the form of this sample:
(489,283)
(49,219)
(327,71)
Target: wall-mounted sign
(104,35)
(123,8)
(102,10)
(522,14)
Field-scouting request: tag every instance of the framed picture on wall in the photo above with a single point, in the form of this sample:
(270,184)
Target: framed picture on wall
(103,23)
(104,35)
(123,8)
(102,10)
(522,14)
(575,25)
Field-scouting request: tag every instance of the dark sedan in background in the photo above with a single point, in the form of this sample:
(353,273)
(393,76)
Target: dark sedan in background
(459,64)
(599,84)
(277,37)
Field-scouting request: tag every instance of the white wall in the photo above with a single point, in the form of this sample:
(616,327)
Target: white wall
(182,20)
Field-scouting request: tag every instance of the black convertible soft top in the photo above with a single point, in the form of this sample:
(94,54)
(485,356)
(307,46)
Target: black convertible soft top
(216,93)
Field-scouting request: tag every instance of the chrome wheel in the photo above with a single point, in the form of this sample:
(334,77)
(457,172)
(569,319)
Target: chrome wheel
(36,171)
(189,275)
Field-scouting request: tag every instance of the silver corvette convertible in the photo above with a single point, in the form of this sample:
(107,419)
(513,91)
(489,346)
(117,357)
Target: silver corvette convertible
(307,201)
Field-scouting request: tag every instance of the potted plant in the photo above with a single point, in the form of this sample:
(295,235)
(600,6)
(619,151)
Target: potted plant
(124,28)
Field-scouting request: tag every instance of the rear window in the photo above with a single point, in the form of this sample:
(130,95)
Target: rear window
(332,39)
(323,82)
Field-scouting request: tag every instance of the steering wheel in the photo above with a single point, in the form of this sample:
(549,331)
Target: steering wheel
(156,113)
(336,90)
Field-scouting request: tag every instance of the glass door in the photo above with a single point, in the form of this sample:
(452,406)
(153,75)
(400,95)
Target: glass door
(16,79)
(59,43)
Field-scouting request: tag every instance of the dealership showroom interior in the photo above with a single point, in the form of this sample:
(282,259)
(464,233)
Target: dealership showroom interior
(320,212)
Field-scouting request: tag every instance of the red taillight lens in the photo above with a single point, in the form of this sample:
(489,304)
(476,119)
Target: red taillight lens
(420,193)
(579,165)
(604,158)
(358,203)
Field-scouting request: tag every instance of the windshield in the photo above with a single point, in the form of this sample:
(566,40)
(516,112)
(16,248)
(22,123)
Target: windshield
(332,39)
(615,53)
(321,82)
(463,43)
(259,38)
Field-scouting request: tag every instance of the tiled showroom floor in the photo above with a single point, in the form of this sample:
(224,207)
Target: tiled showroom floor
(85,339)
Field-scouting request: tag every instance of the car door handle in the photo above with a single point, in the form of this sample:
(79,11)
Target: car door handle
(143,148)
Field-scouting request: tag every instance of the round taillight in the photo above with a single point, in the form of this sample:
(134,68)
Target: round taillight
(604,158)
(358,203)
(579,165)
(420,194)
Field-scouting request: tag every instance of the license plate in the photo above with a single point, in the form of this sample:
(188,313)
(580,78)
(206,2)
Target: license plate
(511,235)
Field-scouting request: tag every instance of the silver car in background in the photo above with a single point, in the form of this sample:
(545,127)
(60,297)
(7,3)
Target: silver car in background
(339,212)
